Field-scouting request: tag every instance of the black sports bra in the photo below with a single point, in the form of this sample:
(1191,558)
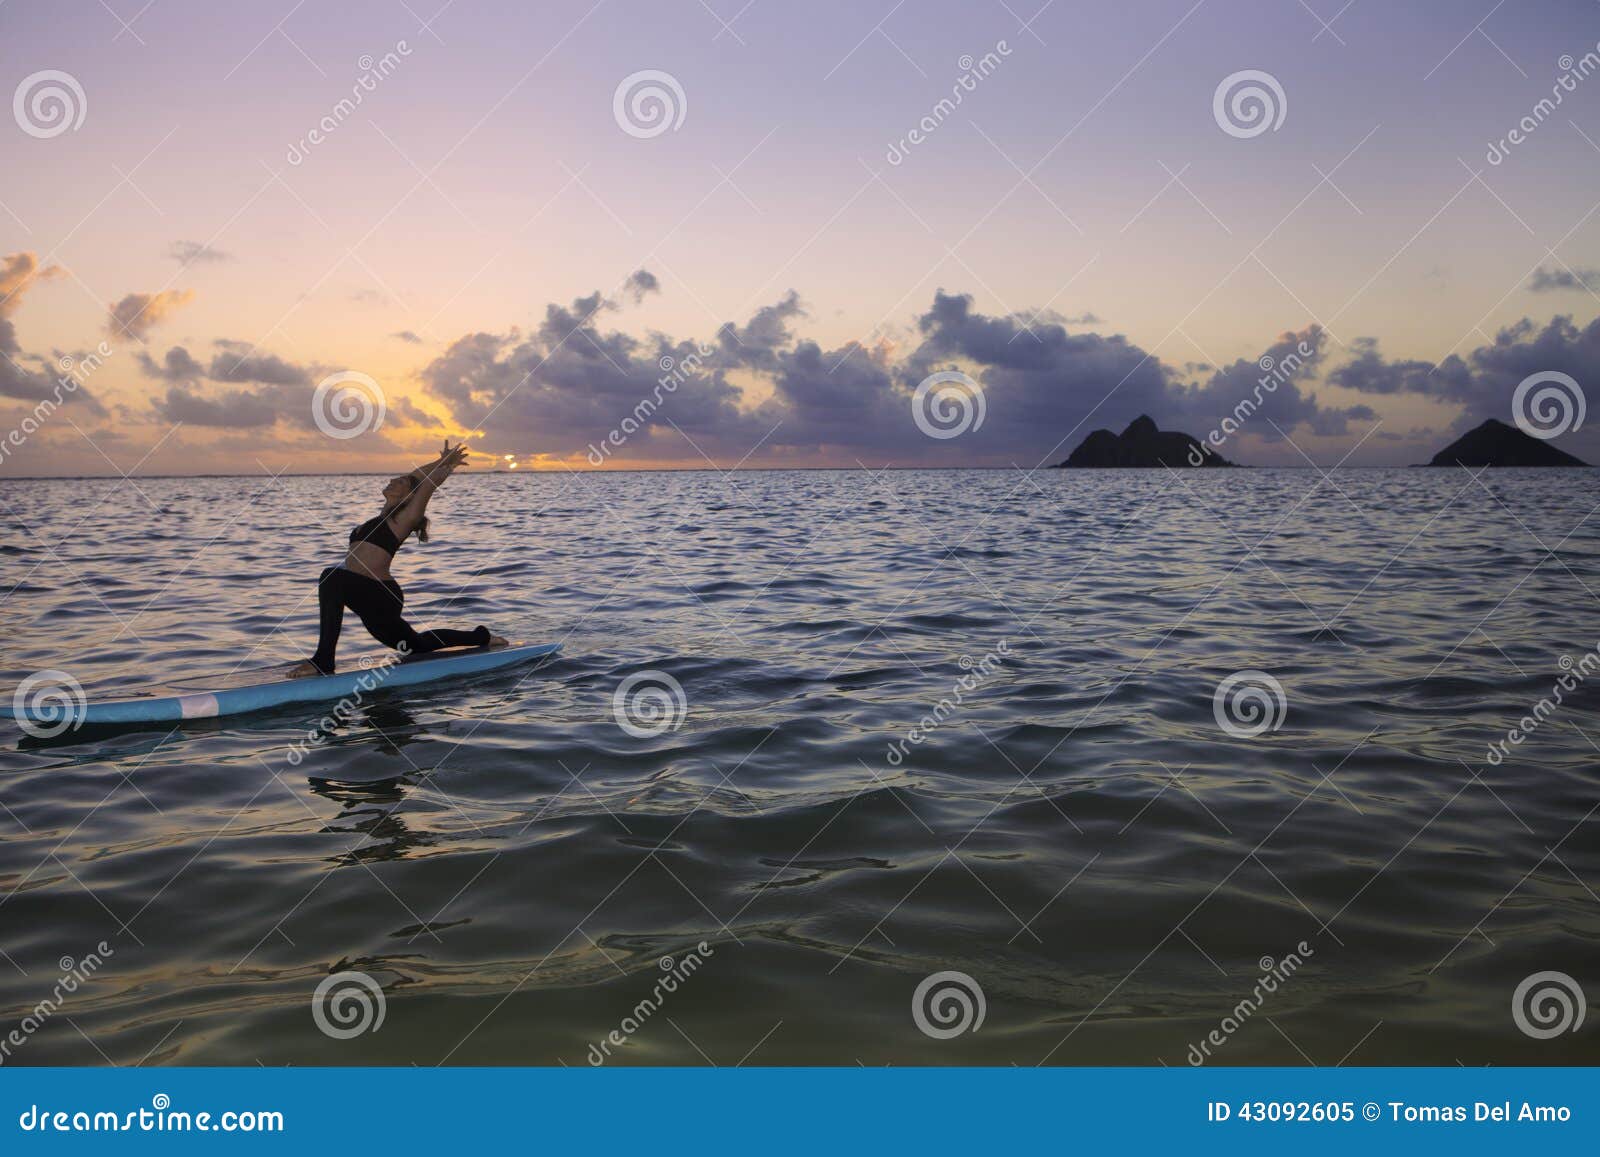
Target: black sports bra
(378,533)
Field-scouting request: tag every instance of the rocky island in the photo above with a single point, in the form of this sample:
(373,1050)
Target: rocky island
(1142,445)
(1496,444)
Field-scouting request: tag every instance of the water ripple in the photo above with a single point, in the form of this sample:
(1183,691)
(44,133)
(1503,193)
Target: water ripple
(854,797)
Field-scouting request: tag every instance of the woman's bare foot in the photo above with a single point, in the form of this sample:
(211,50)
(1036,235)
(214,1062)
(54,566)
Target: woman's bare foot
(496,641)
(304,669)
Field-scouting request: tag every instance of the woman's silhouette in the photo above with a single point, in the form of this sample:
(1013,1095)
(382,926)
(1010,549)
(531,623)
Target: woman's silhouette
(363,583)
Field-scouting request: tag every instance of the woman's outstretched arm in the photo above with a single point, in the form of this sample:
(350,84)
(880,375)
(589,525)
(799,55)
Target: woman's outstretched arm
(429,478)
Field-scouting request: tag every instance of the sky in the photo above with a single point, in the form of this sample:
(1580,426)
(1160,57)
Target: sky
(318,236)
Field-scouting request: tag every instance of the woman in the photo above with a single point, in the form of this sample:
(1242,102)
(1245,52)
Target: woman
(363,582)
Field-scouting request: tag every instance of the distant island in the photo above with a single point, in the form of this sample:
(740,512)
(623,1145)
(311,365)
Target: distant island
(1142,445)
(1496,444)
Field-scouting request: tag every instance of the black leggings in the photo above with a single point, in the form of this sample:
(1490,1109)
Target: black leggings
(379,605)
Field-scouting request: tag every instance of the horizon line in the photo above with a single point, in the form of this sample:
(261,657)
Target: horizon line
(759,470)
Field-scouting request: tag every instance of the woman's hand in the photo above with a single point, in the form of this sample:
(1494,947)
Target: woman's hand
(449,460)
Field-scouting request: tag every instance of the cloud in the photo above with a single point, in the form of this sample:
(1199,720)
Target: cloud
(568,383)
(264,406)
(404,412)
(16,379)
(756,344)
(193,252)
(845,397)
(284,390)
(760,388)
(138,313)
(1482,382)
(275,392)
(571,381)
(1276,386)
(29,377)
(234,362)
(1045,388)
(235,409)
(639,283)
(20,272)
(406,335)
(177,366)
(238,362)
(1552,280)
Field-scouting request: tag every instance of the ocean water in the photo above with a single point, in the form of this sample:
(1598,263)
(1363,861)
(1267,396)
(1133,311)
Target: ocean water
(930,722)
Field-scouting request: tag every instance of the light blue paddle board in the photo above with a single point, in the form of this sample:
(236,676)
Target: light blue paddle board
(259,696)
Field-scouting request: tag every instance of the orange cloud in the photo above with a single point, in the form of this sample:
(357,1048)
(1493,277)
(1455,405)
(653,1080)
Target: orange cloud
(18,273)
(137,313)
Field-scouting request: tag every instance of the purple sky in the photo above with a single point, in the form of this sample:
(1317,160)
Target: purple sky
(506,258)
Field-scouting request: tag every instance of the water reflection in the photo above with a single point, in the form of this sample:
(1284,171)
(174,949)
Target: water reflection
(372,809)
